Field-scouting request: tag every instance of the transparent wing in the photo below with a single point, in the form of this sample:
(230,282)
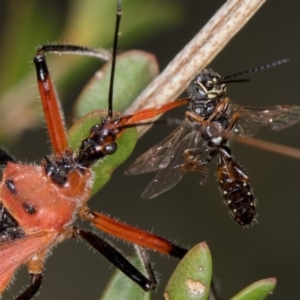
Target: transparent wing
(166,178)
(157,157)
(165,157)
(275,117)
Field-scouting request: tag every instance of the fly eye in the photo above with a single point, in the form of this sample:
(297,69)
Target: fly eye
(110,148)
(200,92)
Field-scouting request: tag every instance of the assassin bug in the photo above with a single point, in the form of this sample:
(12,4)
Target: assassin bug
(39,203)
(209,113)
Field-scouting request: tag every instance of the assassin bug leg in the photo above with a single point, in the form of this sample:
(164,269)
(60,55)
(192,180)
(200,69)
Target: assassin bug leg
(117,259)
(51,105)
(145,260)
(5,158)
(36,281)
(149,113)
(132,234)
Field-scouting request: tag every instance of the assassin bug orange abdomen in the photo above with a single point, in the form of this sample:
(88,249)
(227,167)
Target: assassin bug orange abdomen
(39,203)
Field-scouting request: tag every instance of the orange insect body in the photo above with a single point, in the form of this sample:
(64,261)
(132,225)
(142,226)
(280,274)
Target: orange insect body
(44,213)
(35,201)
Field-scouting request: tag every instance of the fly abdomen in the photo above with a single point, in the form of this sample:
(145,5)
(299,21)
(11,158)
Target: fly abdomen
(236,190)
(239,198)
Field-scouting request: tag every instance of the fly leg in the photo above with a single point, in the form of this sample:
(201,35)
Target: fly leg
(194,164)
(220,109)
(233,121)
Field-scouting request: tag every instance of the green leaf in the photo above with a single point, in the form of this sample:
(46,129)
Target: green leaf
(121,287)
(191,279)
(134,71)
(102,170)
(258,290)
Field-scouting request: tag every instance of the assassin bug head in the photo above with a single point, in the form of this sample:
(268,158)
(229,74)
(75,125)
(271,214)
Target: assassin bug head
(100,142)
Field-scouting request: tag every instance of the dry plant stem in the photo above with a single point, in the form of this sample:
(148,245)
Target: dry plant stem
(267,146)
(196,55)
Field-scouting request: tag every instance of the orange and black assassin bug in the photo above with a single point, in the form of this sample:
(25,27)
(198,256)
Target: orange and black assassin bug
(39,203)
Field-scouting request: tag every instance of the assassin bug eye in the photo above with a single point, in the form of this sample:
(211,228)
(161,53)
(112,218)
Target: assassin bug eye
(110,148)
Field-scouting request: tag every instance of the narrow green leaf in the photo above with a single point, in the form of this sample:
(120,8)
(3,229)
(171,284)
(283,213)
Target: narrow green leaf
(257,291)
(134,71)
(191,279)
(121,287)
(102,170)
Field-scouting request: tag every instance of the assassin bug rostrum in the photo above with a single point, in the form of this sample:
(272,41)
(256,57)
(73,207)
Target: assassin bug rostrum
(209,112)
(39,203)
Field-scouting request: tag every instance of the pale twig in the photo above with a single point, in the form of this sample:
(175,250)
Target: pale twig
(267,146)
(196,55)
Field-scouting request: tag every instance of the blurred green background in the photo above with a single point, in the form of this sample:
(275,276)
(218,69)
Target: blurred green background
(240,256)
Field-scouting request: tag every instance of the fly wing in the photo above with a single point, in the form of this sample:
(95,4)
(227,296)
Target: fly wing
(169,176)
(166,157)
(275,117)
(159,156)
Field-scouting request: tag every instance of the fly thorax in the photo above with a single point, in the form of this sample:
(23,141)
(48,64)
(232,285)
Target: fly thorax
(203,108)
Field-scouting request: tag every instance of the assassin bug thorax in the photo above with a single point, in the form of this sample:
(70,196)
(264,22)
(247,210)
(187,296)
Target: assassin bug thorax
(39,203)
(210,118)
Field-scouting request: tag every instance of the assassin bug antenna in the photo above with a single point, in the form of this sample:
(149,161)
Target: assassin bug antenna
(39,203)
(113,64)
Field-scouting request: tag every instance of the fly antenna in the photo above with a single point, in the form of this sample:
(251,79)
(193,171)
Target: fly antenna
(113,62)
(253,70)
(235,80)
